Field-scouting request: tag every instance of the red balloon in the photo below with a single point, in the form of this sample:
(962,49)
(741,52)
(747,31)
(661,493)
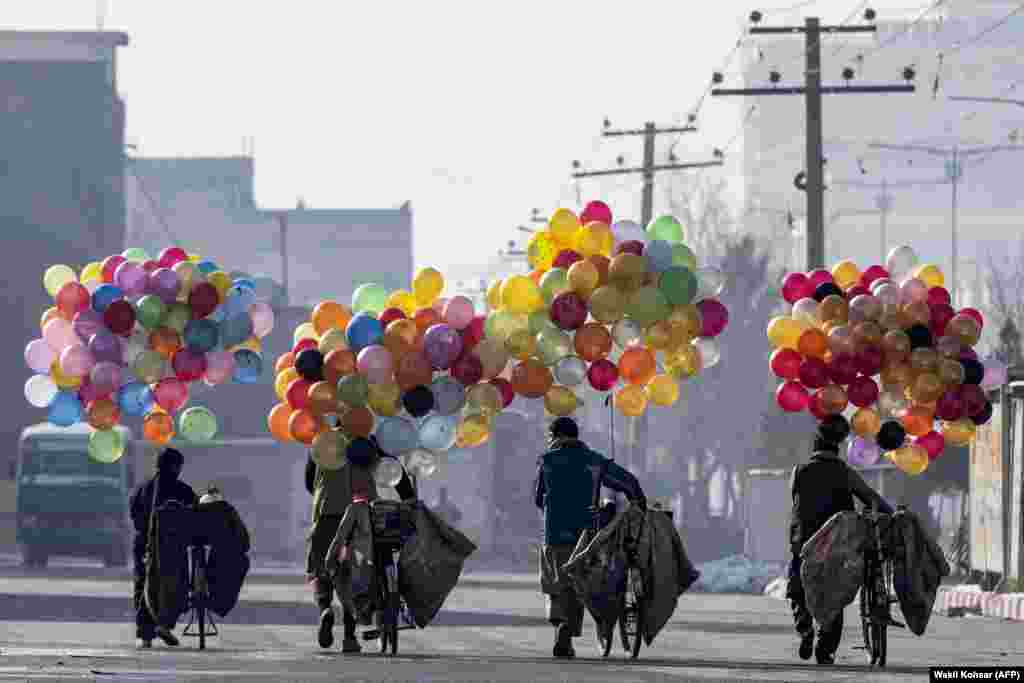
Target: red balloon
(505,389)
(596,211)
(72,298)
(785,363)
(855,291)
(714,317)
(170,394)
(170,256)
(109,267)
(873,273)
(939,295)
(949,407)
(297,393)
(933,442)
(119,317)
(630,247)
(843,368)
(791,397)
(941,315)
(473,333)
(189,366)
(973,398)
(602,374)
(814,406)
(870,360)
(468,369)
(813,373)
(87,392)
(566,258)
(819,277)
(390,315)
(974,313)
(151,266)
(303,344)
(796,286)
(863,392)
(568,311)
(203,300)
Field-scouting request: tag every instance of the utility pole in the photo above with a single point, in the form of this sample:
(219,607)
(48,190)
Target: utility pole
(282,223)
(812,91)
(954,171)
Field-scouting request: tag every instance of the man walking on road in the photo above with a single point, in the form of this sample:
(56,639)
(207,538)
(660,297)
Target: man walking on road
(569,475)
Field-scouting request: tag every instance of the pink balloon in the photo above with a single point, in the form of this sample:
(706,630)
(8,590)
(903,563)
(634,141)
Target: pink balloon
(375,363)
(791,397)
(262,319)
(933,442)
(458,312)
(188,365)
(164,283)
(59,334)
(76,361)
(88,392)
(995,375)
(106,377)
(596,211)
(939,295)
(603,374)
(913,290)
(439,304)
(132,278)
(170,394)
(219,367)
(819,277)
(873,274)
(39,356)
(796,286)
(974,313)
(714,317)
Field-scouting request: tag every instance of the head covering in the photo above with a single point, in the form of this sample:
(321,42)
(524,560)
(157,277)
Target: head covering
(169,463)
(832,431)
(564,428)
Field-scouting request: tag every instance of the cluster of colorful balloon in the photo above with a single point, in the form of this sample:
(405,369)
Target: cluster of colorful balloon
(885,347)
(595,285)
(129,334)
(411,368)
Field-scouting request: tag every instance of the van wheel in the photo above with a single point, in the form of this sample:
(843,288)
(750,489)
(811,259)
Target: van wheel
(35,558)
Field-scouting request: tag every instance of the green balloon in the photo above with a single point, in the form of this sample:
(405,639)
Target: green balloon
(683,256)
(540,321)
(553,345)
(369,298)
(679,285)
(106,446)
(353,390)
(149,366)
(177,317)
(665,228)
(151,311)
(500,325)
(553,283)
(647,306)
(197,424)
(136,254)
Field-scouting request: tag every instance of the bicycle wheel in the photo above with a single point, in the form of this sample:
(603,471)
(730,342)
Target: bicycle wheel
(199,593)
(865,618)
(393,622)
(630,623)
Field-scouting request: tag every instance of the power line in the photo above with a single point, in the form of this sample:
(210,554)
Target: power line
(984,32)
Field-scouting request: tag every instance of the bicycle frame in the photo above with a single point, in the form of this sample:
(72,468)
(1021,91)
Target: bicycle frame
(875,599)
(199,595)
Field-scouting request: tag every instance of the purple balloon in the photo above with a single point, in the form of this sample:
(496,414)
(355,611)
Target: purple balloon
(39,356)
(132,278)
(164,283)
(442,345)
(106,347)
(106,377)
(87,323)
(219,366)
(995,374)
(862,452)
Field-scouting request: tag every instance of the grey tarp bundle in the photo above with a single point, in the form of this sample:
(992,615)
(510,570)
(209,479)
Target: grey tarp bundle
(355,577)
(667,572)
(918,567)
(833,565)
(167,563)
(597,567)
(430,563)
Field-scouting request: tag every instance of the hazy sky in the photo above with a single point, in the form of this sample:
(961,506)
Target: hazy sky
(474,111)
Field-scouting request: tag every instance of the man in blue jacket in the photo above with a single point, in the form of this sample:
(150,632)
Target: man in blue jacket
(569,475)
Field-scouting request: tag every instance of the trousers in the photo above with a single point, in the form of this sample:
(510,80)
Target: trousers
(323,587)
(829,635)
(564,605)
(145,626)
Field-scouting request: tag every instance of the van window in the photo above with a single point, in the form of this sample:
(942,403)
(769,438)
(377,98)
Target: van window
(55,464)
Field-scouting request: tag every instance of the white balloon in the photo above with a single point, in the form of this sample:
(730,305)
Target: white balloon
(710,354)
(711,282)
(806,309)
(421,463)
(570,371)
(624,231)
(40,390)
(901,261)
(627,332)
(388,472)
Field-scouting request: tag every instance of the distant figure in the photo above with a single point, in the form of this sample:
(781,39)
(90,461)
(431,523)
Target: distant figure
(163,487)
(446,509)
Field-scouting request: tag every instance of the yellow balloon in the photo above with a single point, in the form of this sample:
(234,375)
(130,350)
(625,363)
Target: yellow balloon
(684,363)
(304,331)
(560,401)
(912,459)
(494,295)
(846,274)
(784,332)
(92,271)
(663,390)
(61,380)
(563,225)
(541,250)
(427,285)
(385,399)
(283,379)
(187,274)
(332,339)
(607,304)
(659,336)
(221,281)
(583,278)
(930,274)
(195,258)
(520,294)
(959,432)
(403,301)
(521,344)
(56,277)
(484,398)
(593,238)
(473,431)
(631,400)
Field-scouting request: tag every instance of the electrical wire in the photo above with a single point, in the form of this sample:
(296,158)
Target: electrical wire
(984,32)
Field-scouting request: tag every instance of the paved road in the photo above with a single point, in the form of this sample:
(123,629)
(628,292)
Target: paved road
(60,626)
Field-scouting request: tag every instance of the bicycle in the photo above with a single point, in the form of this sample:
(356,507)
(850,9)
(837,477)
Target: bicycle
(876,594)
(392,526)
(199,594)
(633,609)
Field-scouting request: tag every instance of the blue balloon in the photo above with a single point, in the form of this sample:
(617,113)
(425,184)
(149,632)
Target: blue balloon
(104,296)
(659,255)
(397,435)
(245,283)
(438,432)
(248,366)
(207,267)
(135,399)
(362,331)
(201,336)
(218,315)
(65,410)
(449,395)
(236,329)
(239,301)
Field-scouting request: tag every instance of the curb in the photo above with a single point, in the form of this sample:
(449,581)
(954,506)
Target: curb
(958,601)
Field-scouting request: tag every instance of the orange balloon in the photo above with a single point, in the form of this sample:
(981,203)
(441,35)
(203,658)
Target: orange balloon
(593,342)
(358,422)
(425,318)
(602,264)
(304,426)
(834,308)
(330,315)
(927,387)
(833,399)
(866,422)
(536,275)
(103,413)
(284,361)
(917,420)
(867,333)
(337,364)
(158,427)
(531,379)
(637,365)
(897,375)
(323,398)
(813,342)
(400,336)
(277,422)
(165,341)
(412,370)
(51,313)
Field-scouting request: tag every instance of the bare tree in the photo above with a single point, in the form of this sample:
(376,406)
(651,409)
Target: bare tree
(1001,295)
